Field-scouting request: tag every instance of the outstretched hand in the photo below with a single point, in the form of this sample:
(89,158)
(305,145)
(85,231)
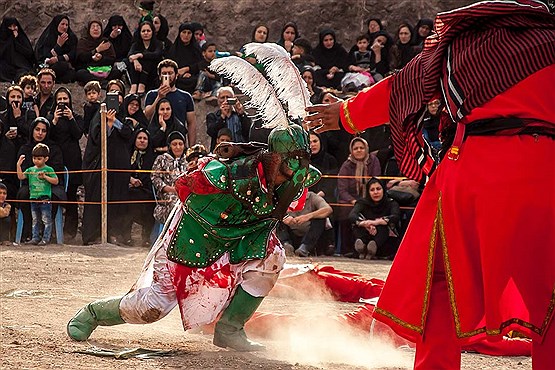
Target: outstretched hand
(324,117)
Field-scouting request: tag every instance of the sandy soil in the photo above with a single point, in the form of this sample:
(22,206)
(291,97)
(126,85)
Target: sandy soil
(41,289)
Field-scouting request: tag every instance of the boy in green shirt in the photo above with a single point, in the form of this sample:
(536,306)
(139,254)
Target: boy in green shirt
(41,178)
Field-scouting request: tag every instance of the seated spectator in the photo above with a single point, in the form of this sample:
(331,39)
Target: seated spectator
(359,75)
(231,114)
(181,101)
(92,104)
(224,136)
(193,154)
(208,82)
(402,51)
(16,53)
(119,35)
(332,58)
(45,98)
(351,184)
(307,74)
(140,189)
(167,168)
(187,54)
(308,230)
(29,85)
(375,219)
(289,33)
(162,28)
(119,135)
(41,178)
(40,134)
(5,216)
(116,85)
(199,33)
(16,119)
(133,112)
(422,30)
(144,55)
(162,125)
(66,131)
(56,48)
(335,142)
(146,11)
(327,165)
(430,126)
(301,54)
(8,153)
(379,59)
(373,25)
(95,55)
(260,34)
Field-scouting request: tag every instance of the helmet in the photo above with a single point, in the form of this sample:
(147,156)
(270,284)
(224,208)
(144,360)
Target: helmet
(292,144)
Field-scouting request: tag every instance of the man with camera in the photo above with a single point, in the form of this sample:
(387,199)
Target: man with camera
(181,101)
(231,114)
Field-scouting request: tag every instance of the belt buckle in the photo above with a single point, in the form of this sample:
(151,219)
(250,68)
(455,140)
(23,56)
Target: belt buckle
(453,153)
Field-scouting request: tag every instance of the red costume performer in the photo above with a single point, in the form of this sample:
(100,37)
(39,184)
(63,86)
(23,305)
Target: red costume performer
(480,249)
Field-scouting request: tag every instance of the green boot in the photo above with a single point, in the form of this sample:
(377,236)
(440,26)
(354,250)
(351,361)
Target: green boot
(104,312)
(229,330)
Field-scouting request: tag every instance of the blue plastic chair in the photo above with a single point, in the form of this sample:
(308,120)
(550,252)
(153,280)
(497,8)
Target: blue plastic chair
(58,219)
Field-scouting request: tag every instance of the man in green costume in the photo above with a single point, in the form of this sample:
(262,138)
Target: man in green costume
(218,255)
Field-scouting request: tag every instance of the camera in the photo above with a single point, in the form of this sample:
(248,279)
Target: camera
(232,101)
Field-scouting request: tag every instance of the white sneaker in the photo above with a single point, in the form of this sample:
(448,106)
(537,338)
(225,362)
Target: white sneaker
(360,248)
(372,249)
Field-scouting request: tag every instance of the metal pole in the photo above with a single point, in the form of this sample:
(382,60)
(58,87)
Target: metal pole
(104,175)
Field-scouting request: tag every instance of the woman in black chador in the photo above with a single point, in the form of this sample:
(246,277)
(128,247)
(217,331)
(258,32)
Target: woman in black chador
(16,52)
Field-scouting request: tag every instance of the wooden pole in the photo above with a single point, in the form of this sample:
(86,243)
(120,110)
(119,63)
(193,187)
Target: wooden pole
(104,174)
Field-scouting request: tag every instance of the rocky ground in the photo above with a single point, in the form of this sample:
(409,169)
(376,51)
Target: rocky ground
(42,287)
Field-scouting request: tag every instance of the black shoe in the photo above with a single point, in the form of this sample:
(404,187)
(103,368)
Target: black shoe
(32,241)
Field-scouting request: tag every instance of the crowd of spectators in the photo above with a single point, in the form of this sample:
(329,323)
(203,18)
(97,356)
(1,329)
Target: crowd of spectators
(153,126)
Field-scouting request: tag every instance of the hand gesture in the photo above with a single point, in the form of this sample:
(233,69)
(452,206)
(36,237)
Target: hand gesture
(104,45)
(111,117)
(62,39)
(161,121)
(41,175)
(377,47)
(68,113)
(115,33)
(324,117)
(58,113)
(16,108)
(163,90)
(21,159)
(138,66)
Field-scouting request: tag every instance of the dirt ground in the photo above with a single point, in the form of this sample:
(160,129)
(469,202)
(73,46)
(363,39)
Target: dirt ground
(42,287)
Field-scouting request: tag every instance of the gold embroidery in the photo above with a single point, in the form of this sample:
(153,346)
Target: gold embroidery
(348,117)
(398,320)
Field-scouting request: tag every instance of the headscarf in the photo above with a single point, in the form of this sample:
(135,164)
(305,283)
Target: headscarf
(178,162)
(164,30)
(327,58)
(9,117)
(257,27)
(416,38)
(139,115)
(372,35)
(140,159)
(361,165)
(123,42)
(49,36)
(6,33)
(185,55)
(88,43)
(281,40)
(69,105)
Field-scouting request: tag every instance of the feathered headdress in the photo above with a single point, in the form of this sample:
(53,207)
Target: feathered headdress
(279,95)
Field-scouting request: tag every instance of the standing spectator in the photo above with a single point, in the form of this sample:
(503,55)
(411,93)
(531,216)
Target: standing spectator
(332,58)
(66,131)
(167,168)
(92,104)
(133,112)
(375,218)
(41,178)
(181,101)
(351,186)
(231,114)
(162,28)
(119,135)
(29,85)
(403,50)
(95,55)
(307,228)
(56,48)
(187,54)
(140,188)
(144,56)
(289,33)
(45,98)
(162,125)
(16,53)
(5,216)
(8,153)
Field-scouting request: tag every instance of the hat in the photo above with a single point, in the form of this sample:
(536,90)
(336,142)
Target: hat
(147,5)
(196,151)
(176,135)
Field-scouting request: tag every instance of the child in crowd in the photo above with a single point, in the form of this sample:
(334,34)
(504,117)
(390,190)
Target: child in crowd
(224,135)
(29,85)
(41,178)
(359,67)
(92,105)
(5,209)
(208,83)
(301,54)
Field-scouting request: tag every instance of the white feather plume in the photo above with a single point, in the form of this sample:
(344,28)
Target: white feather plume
(283,75)
(251,82)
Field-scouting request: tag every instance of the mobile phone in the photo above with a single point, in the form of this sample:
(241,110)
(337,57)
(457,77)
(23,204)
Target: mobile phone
(112,101)
(13,128)
(61,106)
(166,80)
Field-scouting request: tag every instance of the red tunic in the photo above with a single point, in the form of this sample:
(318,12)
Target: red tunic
(491,213)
